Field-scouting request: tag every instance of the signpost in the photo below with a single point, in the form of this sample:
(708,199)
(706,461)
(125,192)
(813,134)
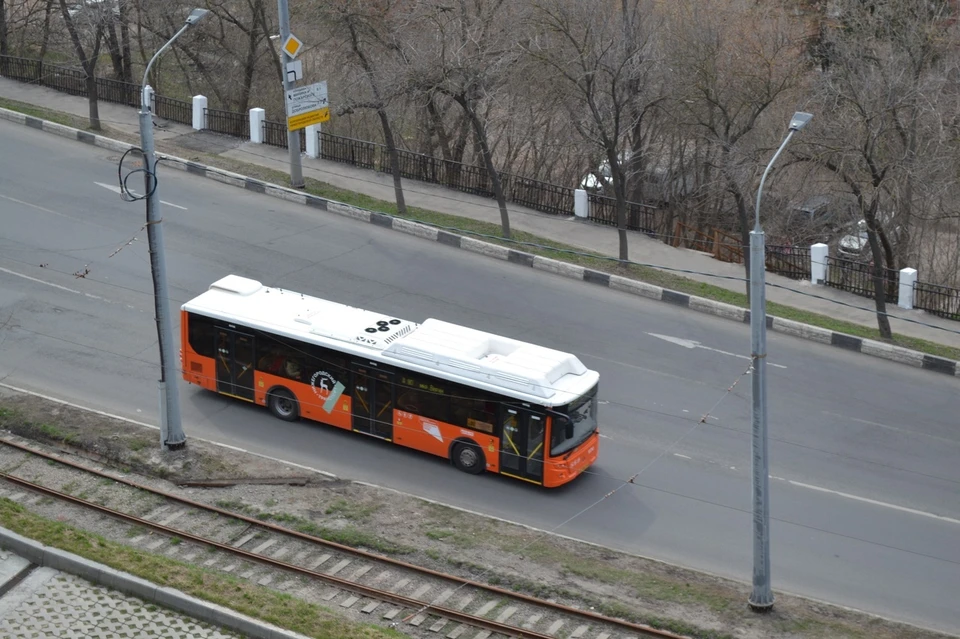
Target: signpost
(307,105)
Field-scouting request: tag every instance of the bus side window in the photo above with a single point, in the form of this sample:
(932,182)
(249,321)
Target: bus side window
(472,409)
(424,396)
(201,332)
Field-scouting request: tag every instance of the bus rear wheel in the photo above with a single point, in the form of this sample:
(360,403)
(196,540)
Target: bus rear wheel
(283,405)
(468,458)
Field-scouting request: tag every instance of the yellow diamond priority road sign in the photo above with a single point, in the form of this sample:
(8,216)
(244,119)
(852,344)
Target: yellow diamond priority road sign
(292,46)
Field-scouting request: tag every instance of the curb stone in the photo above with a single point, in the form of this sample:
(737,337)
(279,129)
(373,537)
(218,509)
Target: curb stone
(129,584)
(844,341)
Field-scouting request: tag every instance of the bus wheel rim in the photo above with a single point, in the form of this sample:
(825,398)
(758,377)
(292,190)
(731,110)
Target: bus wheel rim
(284,405)
(468,457)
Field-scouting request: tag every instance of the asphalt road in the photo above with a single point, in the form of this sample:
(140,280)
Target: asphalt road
(864,494)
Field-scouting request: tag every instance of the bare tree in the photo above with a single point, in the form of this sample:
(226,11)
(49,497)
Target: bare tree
(881,132)
(89,19)
(464,50)
(734,63)
(370,43)
(603,58)
(119,46)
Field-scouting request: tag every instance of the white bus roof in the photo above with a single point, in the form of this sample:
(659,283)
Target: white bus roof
(456,353)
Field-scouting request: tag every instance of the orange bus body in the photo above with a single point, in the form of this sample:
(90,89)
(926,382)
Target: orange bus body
(406,428)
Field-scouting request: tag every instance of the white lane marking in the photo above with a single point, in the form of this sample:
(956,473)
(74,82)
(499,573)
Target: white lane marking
(689,343)
(866,500)
(896,429)
(874,502)
(116,189)
(36,206)
(62,288)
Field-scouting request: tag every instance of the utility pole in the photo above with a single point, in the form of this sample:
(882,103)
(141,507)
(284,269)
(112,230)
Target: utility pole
(761,599)
(171,429)
(293,137)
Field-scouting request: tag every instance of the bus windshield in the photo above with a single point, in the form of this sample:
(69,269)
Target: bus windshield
(583,414)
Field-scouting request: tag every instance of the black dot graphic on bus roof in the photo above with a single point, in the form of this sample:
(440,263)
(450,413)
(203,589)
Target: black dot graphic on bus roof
(381,323)
(394,321)
(370,330)
(384,328)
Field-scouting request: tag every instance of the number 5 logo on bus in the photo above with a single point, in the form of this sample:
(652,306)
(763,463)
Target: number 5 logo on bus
(327,388)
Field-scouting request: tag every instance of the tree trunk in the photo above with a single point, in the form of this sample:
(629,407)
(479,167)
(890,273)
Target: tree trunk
(4,45)
(743,215)
(113,48)
(92,100)
(394,161)
(125,42)
(620,198)
(488,161)
(45,38)
(89,64)
(249,69)
(879,284)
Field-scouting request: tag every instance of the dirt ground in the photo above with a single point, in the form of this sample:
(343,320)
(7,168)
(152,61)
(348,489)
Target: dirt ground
(439,537)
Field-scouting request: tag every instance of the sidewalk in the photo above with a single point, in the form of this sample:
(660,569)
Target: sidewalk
(51,603)
(181,140)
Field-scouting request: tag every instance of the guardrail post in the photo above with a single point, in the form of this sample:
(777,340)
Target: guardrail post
(908,277)
(257,116)
(581,205)
(313,140)
(818,263)
(199,112)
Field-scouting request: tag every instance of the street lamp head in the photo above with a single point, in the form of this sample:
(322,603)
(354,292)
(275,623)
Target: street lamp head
(195,16)
(799,120)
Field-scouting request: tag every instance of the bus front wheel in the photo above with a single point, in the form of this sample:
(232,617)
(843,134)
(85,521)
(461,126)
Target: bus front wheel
(468,458)
(284,405)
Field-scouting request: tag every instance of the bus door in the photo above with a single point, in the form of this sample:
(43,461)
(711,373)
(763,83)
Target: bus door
(372,401)
(521,444)
(235,363)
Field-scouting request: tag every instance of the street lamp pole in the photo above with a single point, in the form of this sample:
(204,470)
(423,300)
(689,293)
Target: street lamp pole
(761,599)
(171,430)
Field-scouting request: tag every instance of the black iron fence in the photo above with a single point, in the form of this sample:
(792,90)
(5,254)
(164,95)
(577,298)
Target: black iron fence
(65,80)
(857,277)
(603,210)
(227,122)
(939,300)
(172,109)
(359,153)
(118,92)
(789,261)
(275,134)
(549,198)
(21,69)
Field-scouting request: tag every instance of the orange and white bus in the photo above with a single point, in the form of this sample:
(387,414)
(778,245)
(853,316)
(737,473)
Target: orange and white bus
(486,402)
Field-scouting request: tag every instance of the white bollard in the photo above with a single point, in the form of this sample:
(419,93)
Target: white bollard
(908,277)
(257,116)
(199,112)
(313,140)
(581,205)
(818,262)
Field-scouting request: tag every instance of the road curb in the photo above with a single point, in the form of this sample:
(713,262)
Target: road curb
(171,598)
(843,341)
